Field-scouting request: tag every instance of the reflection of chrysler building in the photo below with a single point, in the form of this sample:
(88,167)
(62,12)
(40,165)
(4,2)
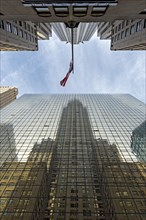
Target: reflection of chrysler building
(73,159)
(138,142)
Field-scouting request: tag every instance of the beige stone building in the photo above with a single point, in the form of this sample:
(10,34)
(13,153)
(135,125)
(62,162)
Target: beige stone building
(129,35)
(22,35)
(124,34)
(7,95)
(18,35)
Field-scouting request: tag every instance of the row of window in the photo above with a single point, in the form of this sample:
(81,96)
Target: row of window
(26,26)
(124,24)
(63,11)
(137,27)
(9,27)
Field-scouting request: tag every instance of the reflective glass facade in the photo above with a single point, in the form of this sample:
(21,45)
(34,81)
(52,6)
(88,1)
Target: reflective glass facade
(72,156)
(139,142)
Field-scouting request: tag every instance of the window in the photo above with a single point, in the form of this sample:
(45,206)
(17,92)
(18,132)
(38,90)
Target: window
(118,37)
(74,191)
(10,201)
(74,198)
(127,22)
(122,35)
(115,38)
(80,11)
(73,212)
(16,212)
(123,22)
(126,32)
(132,29)
(145,23)
(29,37)
(1,24)
(32,30)
(3,183)
(25,35)
(15,30)
(5,212)
(86,212)
(125,193)
(28,27)
(74,205)
(98,11)
(129,203)
(24,24)
(3,202)
(138,26)
(116,29)
(43,11)
(119,27)
(21,33)
(143,212)
(20,23)
(8,27)
(11,184)
(7,192)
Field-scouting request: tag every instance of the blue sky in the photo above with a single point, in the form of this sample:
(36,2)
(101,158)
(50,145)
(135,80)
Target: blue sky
(97,69)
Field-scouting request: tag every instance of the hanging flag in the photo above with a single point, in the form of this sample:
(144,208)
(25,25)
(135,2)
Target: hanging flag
(71,67)
(63,82)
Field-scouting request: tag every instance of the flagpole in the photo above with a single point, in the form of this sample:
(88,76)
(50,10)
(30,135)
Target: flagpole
(72,48)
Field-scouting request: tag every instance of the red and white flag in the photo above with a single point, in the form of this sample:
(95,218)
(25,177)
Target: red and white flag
(63,81)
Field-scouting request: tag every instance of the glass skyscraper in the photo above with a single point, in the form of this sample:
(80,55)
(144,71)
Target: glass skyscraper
(71,157)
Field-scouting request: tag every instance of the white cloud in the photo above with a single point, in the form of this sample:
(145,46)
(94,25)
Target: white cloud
(97,69)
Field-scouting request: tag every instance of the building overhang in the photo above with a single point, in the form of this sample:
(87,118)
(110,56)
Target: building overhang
(69,10)
(65,8)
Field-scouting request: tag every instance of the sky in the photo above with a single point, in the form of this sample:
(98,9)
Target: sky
(96,69)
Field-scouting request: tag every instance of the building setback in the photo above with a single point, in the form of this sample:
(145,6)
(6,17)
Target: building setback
(83,143)
(7,95)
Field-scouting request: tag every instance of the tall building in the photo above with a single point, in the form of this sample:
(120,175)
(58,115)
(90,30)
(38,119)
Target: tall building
(124,34)
(7,95)
(16,33)
(104,30)
(44,31)
(82,33)
(76,149)
(129,35)
(22,35)
(69,10)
